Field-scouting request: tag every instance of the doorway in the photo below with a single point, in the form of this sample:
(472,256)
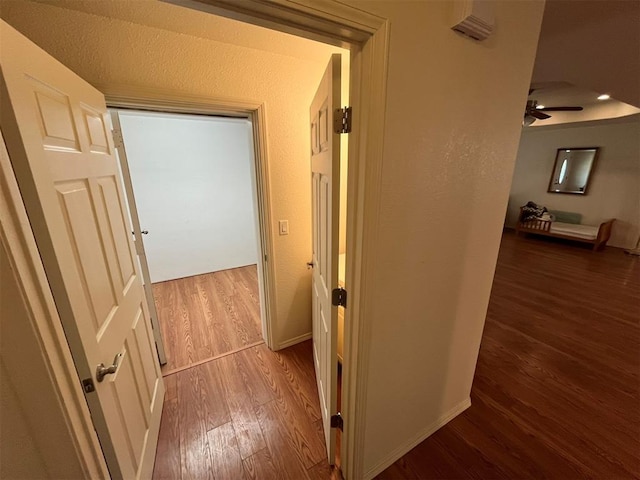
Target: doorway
(191,181)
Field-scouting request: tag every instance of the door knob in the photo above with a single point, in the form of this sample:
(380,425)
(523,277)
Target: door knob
(309,264)
(102,371)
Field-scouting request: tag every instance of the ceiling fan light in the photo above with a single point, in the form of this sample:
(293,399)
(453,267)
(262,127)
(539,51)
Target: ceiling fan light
(604,96)
(539,107)
(528,120)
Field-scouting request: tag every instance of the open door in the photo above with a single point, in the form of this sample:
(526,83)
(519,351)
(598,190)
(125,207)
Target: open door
(325,188)
(121,153)
(57,133)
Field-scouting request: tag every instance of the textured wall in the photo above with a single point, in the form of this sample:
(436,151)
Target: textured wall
(109,51)
(454,113)
(614,188)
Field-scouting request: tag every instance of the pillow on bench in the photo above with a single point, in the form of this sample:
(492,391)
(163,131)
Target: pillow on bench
(566,217)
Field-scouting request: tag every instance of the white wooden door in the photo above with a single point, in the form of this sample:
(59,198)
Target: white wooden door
(325,187)
(121,153)
(57,132)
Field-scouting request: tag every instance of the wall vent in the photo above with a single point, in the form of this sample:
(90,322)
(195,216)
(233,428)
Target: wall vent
(473,18)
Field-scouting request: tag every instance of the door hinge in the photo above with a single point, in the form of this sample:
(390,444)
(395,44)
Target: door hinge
(88,386)
(339,297)
(117,138)
(337,421)
(342,120)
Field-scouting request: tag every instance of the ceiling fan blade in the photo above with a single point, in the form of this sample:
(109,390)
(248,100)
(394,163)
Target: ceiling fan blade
(539,115)
(561,109)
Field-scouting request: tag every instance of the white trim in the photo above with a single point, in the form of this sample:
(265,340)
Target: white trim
(119,96)
(15,230)
(294,341)
(418,438)
(367,37)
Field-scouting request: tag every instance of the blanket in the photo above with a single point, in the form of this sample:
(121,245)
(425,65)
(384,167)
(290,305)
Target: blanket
(532,211)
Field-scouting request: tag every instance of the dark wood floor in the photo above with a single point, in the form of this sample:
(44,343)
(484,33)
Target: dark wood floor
(208,315)
(557,388)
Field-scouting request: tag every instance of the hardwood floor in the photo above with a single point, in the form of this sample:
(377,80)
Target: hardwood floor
(208,315)
(557,389)
(556,392)
(253,414)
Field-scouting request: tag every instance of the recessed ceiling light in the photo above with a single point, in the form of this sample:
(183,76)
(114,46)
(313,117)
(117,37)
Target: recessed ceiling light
(539,107)
(604,96)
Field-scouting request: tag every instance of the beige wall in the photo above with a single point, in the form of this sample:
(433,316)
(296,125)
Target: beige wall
(107,51)
(614,188)
(453,121)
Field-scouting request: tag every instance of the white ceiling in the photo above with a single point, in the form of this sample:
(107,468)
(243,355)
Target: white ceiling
(561,94)
(593,45)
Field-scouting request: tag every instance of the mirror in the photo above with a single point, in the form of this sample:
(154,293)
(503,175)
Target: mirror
(572,170)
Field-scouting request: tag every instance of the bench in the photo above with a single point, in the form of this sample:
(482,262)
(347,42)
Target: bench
(569,229)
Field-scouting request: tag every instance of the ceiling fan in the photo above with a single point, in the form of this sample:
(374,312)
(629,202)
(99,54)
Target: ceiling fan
(534,112)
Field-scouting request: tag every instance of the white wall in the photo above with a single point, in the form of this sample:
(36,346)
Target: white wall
(193,185)
(614,188)
(110,51)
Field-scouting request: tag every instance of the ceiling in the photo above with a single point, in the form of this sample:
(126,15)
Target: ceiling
(556,94)
(594,46)
(187,21)
(586,47)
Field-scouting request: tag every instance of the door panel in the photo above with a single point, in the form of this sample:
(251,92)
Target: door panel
(56,129)
(325,191)
(121,153)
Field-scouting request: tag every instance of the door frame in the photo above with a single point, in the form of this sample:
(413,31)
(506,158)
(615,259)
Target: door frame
(168,101)
(367,37)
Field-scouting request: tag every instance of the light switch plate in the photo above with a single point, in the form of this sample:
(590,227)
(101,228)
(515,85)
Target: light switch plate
(283,227)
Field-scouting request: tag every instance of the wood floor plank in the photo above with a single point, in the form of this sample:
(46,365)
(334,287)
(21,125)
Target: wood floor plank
(226,460)
(289,459)
(168,463)
(291,406)
(260,466)
(245,423)
(195,455)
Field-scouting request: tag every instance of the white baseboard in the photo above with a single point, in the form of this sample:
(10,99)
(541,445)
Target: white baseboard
(422,435)
(293,341)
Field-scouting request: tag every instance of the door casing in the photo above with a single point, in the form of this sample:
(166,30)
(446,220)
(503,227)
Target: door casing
(125,97)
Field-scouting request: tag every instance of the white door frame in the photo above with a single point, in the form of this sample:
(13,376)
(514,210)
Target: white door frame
(367,37)
(160,100)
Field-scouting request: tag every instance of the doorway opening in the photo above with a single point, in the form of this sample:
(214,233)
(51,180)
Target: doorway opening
(191,181)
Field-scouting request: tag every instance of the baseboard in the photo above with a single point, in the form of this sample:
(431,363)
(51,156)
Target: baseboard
(294,341)
(422,435)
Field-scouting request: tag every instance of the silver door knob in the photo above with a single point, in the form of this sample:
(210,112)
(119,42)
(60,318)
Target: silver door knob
(102,371)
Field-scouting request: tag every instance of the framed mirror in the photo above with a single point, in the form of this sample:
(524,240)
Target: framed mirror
(572,170)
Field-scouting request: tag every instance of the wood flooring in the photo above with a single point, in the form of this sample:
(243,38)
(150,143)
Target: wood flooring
(556,392)
(252,415)
(557,389)
(208,315)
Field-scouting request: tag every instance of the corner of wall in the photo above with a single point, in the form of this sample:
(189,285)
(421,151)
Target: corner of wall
(418,438)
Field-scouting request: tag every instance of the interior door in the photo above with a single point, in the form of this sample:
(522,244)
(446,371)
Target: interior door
(57,132)
(121,152)
(325,188)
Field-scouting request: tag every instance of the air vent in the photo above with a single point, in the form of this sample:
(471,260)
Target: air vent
(473,18)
